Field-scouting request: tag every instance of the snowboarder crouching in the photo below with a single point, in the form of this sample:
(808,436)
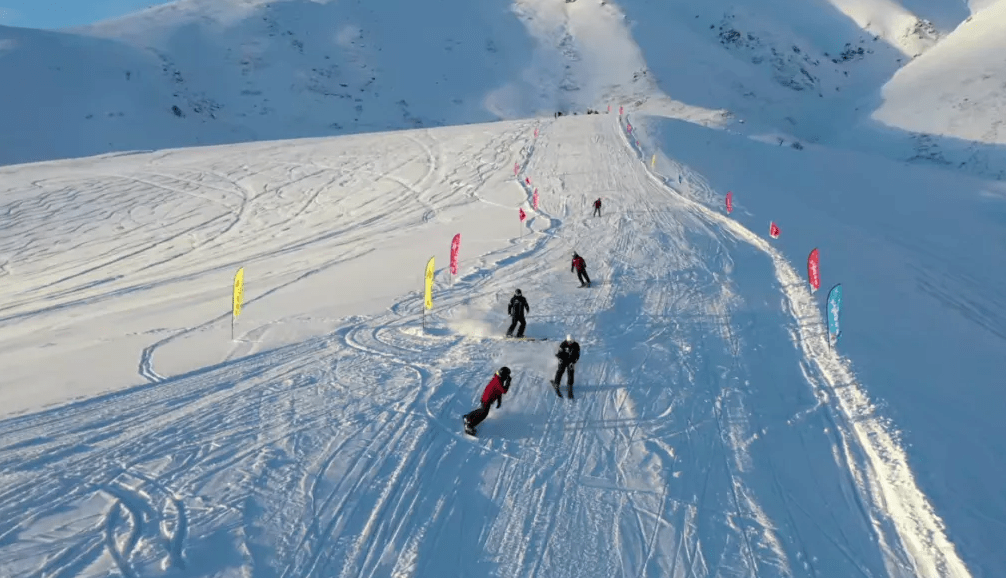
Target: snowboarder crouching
(518,305)
(581,270)
(568,354)
(498,385)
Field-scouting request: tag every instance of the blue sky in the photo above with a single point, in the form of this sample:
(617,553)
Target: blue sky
(50,14)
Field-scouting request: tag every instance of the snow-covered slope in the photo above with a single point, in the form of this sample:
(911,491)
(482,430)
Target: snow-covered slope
(206,72)
(799,67)
(240,71)
(132,238)
(707,437)
(714,433)
(847,73)
(916,251)
(952,100)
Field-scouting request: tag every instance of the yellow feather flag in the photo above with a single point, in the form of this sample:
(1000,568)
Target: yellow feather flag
(429,284)
(653,161)
(239,289)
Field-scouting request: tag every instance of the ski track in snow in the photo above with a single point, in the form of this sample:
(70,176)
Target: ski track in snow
(694,447)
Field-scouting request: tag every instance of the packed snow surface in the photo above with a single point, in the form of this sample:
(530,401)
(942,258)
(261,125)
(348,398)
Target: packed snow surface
(714,432)
(708,435)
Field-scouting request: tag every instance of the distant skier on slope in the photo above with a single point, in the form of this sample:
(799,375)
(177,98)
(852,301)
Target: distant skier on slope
(498,385)
(597,208)
(568,354)
(518,305)
(581,270)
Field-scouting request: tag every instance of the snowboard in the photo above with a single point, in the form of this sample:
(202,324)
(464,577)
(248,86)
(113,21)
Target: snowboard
(526,338)
(468,429)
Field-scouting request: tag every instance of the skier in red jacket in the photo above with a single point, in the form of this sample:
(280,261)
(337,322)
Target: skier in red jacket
(498,385)
(581,270)
(597,208)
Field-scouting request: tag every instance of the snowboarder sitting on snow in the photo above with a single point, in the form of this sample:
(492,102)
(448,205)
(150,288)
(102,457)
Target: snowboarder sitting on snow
(498,385)
(597,208)
(581,270)
(568,354)
(518,305)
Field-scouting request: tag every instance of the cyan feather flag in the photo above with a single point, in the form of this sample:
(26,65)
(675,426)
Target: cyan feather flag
(834,309)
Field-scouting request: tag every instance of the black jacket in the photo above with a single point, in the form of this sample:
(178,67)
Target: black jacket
(517,306)
(569,351)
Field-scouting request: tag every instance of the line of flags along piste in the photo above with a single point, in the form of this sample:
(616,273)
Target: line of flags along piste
(813,277)
(834,302)
(456,241)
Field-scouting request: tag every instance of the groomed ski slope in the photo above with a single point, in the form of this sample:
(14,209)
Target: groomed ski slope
(325,441)
(922,312)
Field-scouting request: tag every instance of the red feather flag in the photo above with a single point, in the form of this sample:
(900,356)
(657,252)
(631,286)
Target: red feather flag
(455,247)
(814,269)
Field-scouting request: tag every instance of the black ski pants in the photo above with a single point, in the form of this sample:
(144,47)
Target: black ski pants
(581,274)
(520,331)
(476,416)
(597,211)
(565,366)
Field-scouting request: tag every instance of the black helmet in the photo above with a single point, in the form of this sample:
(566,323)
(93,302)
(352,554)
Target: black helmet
(516,292)
(574,254)
(504,372)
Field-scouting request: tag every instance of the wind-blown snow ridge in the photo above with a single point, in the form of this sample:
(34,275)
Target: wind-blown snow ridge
(884,477)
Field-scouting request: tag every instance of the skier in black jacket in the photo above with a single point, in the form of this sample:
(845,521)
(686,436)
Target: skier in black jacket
(518,305)
(568,354)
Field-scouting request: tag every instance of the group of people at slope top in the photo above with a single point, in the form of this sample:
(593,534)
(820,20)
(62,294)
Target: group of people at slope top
(499,385)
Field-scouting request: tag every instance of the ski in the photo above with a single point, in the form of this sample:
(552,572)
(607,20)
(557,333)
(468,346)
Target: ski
(555,386)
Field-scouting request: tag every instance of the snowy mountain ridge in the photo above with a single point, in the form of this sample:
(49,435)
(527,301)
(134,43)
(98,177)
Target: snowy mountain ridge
(190,73)
(197,72)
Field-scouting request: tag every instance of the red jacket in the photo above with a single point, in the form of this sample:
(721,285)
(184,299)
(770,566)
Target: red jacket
(495,390)
(578,263)
(597,204)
